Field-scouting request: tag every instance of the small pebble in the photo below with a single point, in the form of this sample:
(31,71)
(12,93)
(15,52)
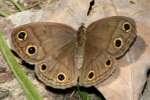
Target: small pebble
(3,93)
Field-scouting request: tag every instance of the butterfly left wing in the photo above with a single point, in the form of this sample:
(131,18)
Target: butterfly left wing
(50,46)
(106,40)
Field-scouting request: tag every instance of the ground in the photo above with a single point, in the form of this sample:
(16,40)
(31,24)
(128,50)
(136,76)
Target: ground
(132,78)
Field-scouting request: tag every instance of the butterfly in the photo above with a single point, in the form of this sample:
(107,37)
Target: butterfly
(64,57)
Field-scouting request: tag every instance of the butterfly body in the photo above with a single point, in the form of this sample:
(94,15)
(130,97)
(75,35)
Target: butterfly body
(64,56)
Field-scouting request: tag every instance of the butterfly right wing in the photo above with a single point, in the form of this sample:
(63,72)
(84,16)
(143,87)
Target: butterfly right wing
(106,40)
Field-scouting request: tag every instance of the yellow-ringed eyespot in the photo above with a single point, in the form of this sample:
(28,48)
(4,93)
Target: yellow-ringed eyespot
(91,75)
(61,77)
(22,35)
(118,42)
(31,50)
(43,67)
(126,27)
(108,63)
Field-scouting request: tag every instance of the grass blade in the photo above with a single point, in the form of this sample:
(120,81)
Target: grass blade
(17,5)
(29,89)
(3,14)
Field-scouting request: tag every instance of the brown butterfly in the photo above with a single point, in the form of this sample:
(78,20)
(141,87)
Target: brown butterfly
(64,56)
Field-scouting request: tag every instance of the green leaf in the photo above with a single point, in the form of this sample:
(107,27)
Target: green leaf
(83,94)
(90,93)
(29,89)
